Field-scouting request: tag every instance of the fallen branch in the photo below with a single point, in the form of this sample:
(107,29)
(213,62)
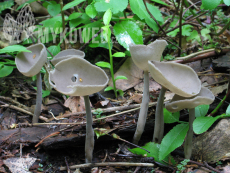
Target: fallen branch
(22,110)
(111,109)
(128,164)
(201,56)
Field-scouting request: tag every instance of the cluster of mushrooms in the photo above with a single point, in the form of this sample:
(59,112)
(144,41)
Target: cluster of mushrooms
(72,75)
(178,78)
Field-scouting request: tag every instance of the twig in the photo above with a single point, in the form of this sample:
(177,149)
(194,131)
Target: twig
(6,56)
(202,56)
(83,47)
(22,110)
(211,168)
(203,165)
(52,134)
(67,165)
(154,18)
(15,102)
(86,165)
(180,26)
(111,109)
(63,22)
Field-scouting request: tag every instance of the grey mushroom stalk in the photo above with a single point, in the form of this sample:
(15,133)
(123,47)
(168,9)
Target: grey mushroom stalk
(179,79)
(75,76)
(204,97)
(141,54)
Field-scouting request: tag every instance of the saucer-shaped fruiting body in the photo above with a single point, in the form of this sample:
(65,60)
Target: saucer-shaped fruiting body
(141,54)
(178,78)
(205,97)
(65,54)
(30,63)
(77,77)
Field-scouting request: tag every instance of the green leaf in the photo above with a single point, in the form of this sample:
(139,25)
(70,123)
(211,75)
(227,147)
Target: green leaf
(201,110)
(202,124)
(54,50)
(72,4)
(154,152)
(106,33)
(156,12)
(115,5)
(83,19)
(173,139)
(107,17)
(27,2)
(127,32)
(121,93)
(45,93)
(160,2)
(170,117)
(194,36)
(54,9)
(119,54)
(6,70)
(14,48)
(205,33)
(120,77)
(108,88)
(138,7)
(74,16)
(91,11)
(228,110)
(103,64)
(209,5)
(227,2)
(50,22)
(101,132)
(6,4)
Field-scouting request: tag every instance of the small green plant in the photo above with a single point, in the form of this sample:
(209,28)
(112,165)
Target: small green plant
(107,35)
(219,163)
(181,167)
(6,65)
(98,113)
(40,167)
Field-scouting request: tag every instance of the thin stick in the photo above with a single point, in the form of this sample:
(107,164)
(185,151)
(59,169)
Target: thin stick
(188,140)
(112,109)
(143,111)
(63,22)
(159,118)
(108,164)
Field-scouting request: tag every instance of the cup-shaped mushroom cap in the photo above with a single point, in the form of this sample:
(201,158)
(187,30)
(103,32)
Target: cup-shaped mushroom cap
(30,63)
(77,77)
(178,78)
(141,54)
(205,97)
(65,54)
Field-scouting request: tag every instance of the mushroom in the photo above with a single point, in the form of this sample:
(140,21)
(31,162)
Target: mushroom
(178,78)
(67,54)
(75,76)
(141,54)
(204,97)
(30,64)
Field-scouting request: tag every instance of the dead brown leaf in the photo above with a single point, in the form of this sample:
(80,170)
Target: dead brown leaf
(131,71)
(75,104)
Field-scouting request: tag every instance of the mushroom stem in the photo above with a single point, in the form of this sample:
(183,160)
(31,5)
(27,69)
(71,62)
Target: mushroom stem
(37,110)
(143,111)
(159,118)
(89,139)
(188,140)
